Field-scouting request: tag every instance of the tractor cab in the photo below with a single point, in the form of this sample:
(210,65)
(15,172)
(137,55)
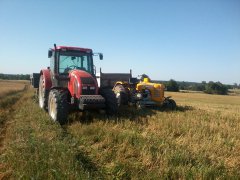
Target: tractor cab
(64,59)
(71,83)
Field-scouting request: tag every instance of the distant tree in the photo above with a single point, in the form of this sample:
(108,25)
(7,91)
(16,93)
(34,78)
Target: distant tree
(198,87)
(216,88)
(235,85)
(1,76)
(172,85)
(15,76)
(144,76)
(183,85)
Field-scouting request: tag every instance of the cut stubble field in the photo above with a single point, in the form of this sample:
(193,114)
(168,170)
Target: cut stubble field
(198,140)
(8,87)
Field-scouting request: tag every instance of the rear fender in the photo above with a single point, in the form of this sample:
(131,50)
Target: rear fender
(47,78)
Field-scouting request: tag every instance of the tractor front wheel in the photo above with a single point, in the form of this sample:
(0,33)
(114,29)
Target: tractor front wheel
(58,106)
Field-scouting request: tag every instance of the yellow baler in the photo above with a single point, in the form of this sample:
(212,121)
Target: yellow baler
(156,90)
(142,93)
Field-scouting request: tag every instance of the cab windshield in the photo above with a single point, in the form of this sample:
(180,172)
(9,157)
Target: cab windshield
(70,60)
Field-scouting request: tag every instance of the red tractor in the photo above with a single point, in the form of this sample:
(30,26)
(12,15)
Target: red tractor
(70,82)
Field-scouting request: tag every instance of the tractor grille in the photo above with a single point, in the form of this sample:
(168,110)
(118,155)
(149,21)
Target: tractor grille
(88,91)
(88,83)
(87,80)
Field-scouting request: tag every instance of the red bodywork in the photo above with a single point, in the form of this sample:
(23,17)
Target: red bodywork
(75,84)
(74,48)
(47,78)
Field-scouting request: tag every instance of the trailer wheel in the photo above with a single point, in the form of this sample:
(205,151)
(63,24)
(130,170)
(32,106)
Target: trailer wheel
(110,101)
(121,95)
(42,94)
(58,106)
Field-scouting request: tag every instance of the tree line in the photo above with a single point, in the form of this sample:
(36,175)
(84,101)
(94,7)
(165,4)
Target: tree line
(209,88)
(171,85)
(15,76)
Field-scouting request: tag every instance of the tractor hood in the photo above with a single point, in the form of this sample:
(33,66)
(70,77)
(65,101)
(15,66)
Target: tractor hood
(82,83)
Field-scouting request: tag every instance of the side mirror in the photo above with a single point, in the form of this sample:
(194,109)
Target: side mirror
(100,56)
(49,53)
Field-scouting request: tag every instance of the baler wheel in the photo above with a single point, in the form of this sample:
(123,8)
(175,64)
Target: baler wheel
(172,104)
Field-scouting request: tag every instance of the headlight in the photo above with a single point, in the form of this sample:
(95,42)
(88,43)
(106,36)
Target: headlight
(139,95)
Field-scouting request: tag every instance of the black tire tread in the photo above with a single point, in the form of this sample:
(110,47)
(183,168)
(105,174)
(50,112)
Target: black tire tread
(110,101)
(60,97)
(173,104)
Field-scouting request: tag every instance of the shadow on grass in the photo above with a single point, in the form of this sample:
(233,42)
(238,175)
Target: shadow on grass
(125,113)
(81,159)
(88,165)
(184,108)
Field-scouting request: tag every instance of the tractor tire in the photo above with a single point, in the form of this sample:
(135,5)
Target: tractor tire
(121,95)
(169,104)
(110,101)
(172,104)
(43,94)
(139,105)
(58,106)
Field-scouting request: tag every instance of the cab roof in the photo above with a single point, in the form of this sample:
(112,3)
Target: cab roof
(73,48)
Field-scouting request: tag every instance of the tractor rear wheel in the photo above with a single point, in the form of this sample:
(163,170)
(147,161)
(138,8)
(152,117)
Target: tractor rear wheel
(42,94)
(110,101)
(121,95)
(58,106)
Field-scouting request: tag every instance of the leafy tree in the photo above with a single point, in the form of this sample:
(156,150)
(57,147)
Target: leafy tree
(235,85)
(1,76)
(183,85)
(172,85)
(144,76)
(216,88)
(15,76)
(198,87)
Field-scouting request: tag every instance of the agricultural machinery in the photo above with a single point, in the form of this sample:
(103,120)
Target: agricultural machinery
(138,92)
(142,93)
(71,82)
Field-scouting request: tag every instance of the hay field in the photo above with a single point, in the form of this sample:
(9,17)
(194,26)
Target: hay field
(200,140)
(11,86)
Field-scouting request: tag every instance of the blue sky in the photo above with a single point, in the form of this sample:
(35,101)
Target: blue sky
(183,40)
